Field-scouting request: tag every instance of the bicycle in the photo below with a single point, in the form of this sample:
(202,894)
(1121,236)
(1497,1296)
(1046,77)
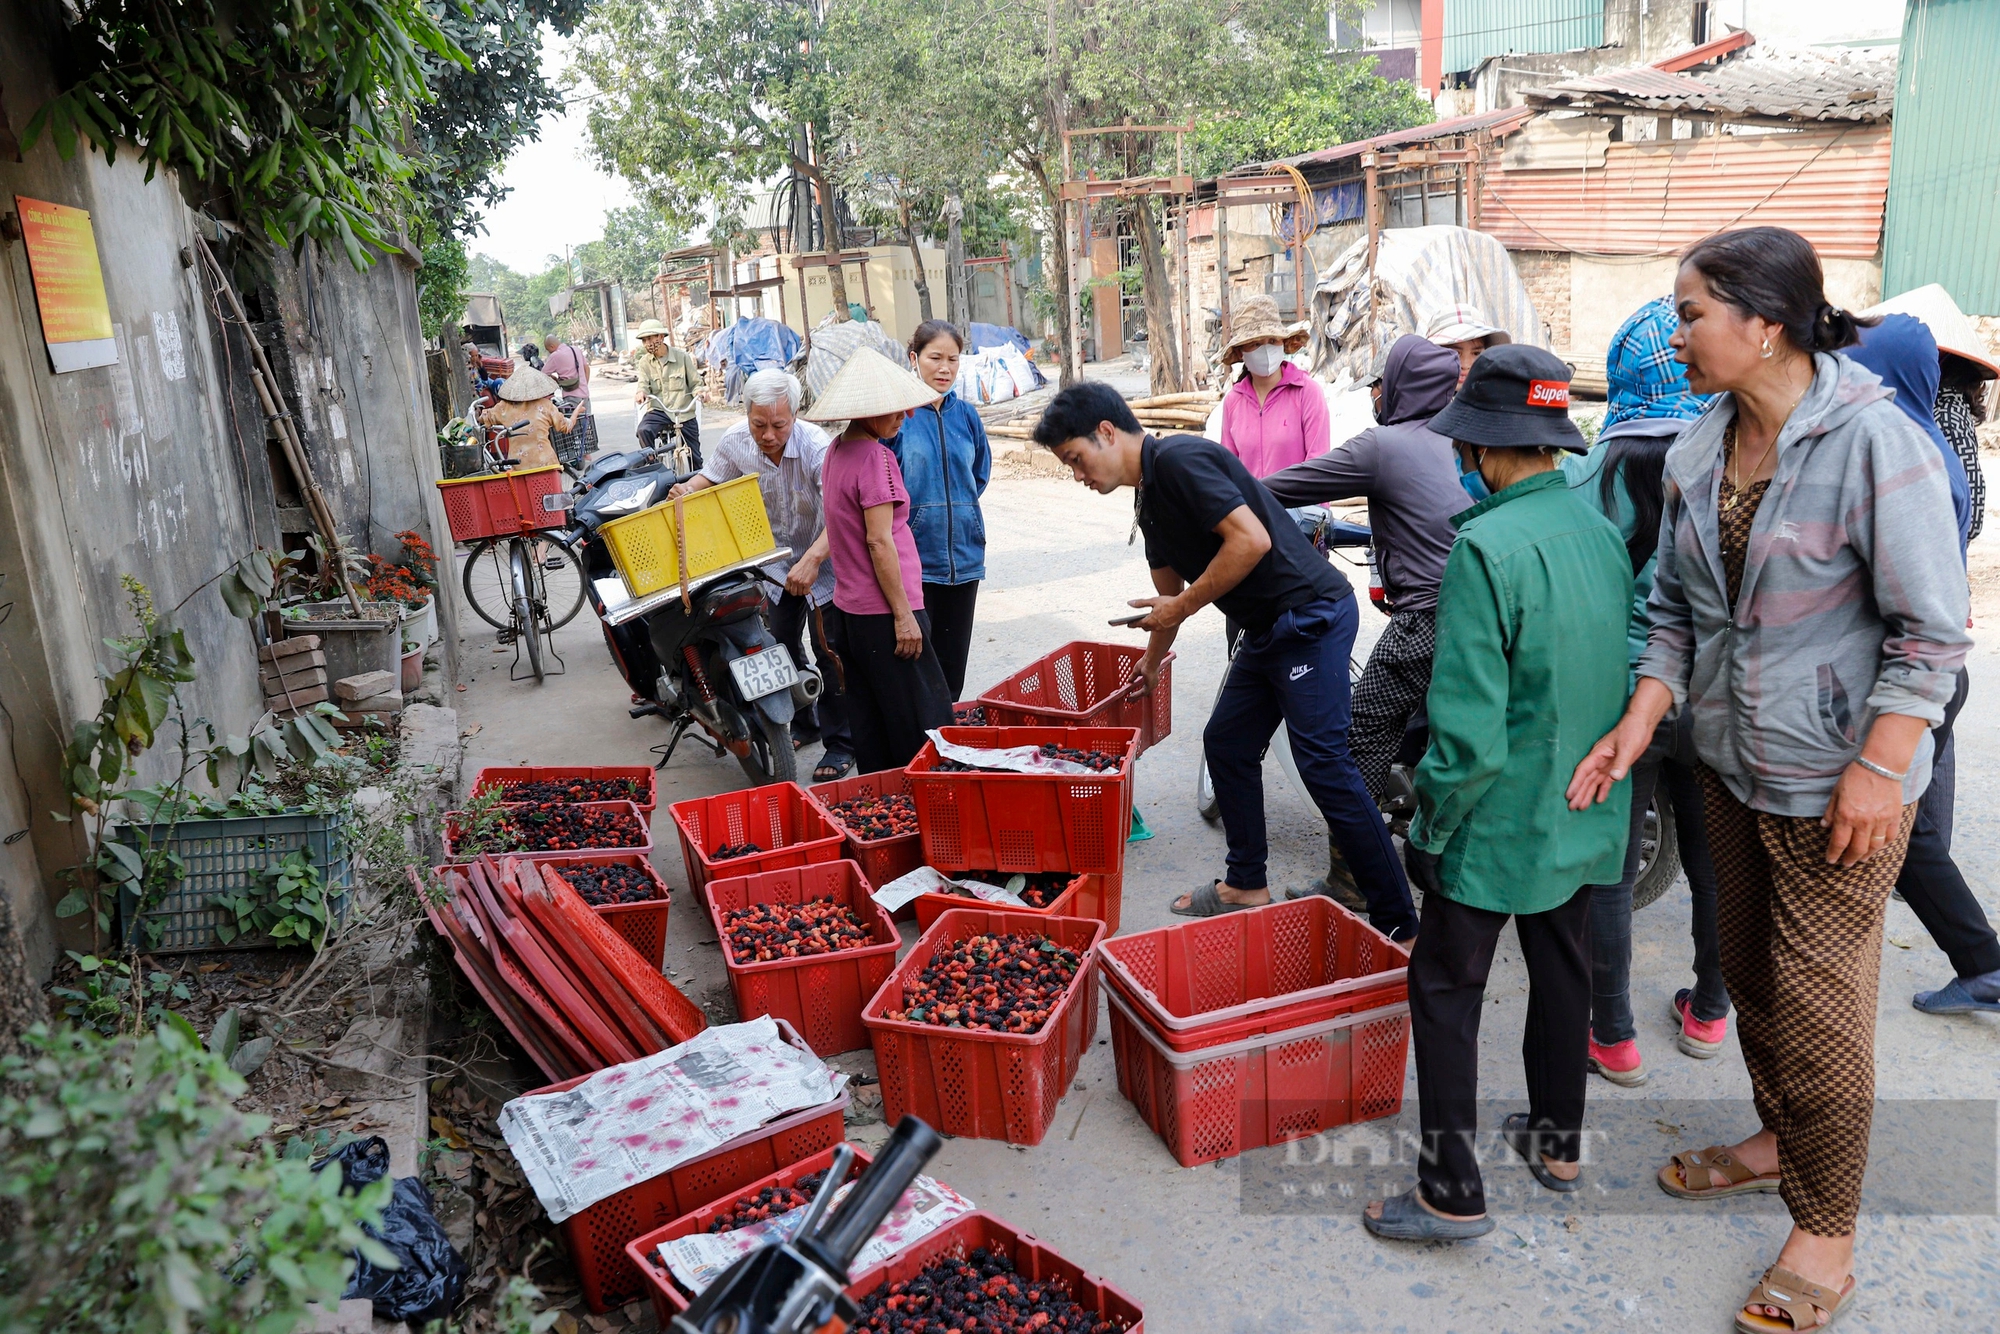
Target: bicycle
(508,579)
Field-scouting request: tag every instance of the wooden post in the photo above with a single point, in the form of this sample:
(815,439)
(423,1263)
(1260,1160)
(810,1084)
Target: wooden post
(867,301)
(1074,295)
(1007,281)
(1371,200)
(1187,292)
(1222,259)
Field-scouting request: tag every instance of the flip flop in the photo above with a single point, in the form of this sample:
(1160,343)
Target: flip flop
(1953,998)
(1404,1219)
(1205,902)
(832,768)
(1524,1142)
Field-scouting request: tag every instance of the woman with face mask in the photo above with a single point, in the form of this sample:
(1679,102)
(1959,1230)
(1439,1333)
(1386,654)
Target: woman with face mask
(1274,415)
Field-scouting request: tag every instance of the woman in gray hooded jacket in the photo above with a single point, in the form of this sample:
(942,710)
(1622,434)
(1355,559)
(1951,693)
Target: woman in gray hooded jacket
(1808,611)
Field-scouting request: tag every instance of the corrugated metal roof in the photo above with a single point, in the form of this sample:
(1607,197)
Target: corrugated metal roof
(1476,29)
(1652,199)
(1499,122)
(1798,87)
(1943,226)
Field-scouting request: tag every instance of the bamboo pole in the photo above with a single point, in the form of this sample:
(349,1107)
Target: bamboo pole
(266,383)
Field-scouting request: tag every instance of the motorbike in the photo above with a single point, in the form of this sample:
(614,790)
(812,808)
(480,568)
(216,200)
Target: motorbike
(708,665)
(1659,849)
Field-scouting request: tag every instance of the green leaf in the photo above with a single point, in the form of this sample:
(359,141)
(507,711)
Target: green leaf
(121,862)
(243,604)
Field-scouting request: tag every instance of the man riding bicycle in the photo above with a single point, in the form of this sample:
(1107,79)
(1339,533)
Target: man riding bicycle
(669,379)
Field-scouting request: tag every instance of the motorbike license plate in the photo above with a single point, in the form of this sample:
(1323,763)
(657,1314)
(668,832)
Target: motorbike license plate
(766,673)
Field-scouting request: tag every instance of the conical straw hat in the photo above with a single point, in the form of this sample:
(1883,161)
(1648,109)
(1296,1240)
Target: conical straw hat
(527,384)
(869,385)
(1954,333)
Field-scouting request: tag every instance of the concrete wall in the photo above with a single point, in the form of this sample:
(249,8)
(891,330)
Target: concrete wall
(142,469)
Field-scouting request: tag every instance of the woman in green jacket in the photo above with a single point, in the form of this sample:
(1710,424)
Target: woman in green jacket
(1524,677)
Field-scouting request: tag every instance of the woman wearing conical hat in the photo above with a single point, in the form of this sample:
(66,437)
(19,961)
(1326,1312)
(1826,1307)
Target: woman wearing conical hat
(529,395)
(895,684)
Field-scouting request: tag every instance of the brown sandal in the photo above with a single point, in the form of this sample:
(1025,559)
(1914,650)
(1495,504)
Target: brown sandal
(1737,1179)
(1796,1297)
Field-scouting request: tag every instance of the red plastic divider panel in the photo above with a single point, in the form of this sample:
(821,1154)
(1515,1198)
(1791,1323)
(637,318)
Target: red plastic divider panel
(1091,895)
(781,819)
(503,776)
(881,859)
(521,883)
(1026,822)
(596,1237)
(1222,1101)
(1216,979)
(543,1046)
(821,995)
(644,1252)
(640,982)
(1032,1259)
(1084,684)
(454,826)
(984,1085)
(642,925)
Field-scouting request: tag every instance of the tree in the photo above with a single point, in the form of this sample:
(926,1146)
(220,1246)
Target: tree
(634,239)
(1332,102)
(703,103)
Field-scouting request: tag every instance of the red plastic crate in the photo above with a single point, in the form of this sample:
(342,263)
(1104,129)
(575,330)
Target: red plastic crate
(643,925)
(881,859)
(644,1252)
(1097,896)
(820,995)
(495,775)
(1033,1259)
(453,819)
(1025,822)
(1217,979)
(501,504)
(984,1085)
(781,819)
(596,1237)
(1225,1100)
(1084,685)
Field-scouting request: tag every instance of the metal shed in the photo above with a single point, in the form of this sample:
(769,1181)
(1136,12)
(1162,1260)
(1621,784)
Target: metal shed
(1942,224)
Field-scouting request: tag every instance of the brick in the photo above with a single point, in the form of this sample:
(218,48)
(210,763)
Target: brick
(391,703)
(275,685)
(294,697)
(296,664)
(285,648)
(365,685)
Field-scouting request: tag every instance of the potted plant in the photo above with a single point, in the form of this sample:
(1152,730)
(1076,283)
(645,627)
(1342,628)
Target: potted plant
(410,583)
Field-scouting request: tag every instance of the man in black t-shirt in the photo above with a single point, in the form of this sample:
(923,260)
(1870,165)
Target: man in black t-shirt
(1214,534)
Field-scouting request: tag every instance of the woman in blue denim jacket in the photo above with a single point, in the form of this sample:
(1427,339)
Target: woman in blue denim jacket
(946,464)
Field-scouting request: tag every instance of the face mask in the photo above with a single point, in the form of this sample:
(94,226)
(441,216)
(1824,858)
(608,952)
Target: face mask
(1264,358)
(1474,484)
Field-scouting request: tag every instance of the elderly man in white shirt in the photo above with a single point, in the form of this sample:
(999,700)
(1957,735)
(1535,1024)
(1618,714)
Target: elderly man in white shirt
(785,453)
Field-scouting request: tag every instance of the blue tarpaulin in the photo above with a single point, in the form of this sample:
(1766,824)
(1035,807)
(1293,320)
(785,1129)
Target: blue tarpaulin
(749,345)
(984,336)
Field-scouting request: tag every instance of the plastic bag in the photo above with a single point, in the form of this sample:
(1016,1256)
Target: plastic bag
(431,1280)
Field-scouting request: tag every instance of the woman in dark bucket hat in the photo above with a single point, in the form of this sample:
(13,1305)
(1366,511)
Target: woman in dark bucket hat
(1530,665)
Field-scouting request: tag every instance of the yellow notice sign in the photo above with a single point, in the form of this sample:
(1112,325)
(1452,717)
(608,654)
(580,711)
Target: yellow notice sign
(69,285)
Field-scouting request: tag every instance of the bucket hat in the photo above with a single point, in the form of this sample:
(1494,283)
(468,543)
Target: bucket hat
(1256,320)
(1456,324)
(1514,397)
(527,384)
(650,328)
(868,384)
(1954,333)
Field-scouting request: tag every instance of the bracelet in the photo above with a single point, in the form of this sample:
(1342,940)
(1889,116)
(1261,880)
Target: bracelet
(1879,771)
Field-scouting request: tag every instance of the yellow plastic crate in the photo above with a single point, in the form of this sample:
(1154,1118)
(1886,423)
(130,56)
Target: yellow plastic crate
(725,524)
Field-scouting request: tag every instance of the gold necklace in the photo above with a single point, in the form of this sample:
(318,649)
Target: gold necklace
(1733,457)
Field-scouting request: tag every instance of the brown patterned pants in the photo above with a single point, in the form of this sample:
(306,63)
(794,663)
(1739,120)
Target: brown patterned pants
(1802,954)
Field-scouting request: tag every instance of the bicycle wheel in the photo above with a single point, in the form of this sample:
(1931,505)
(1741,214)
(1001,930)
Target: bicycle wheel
(489,583)
(527,621)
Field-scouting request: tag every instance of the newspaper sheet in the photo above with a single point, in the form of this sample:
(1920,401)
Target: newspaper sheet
(927,880)
(697,1261)
(1010,759)
(629,1123)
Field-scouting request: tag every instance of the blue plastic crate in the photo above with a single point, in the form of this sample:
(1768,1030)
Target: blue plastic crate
(226,856)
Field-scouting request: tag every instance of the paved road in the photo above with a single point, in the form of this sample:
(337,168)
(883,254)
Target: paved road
(1200,1248)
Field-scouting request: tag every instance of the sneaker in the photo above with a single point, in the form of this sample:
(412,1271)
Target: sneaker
(1620,1062)
(1700,1038)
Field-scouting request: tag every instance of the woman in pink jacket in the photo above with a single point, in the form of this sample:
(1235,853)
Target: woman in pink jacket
(1274,415)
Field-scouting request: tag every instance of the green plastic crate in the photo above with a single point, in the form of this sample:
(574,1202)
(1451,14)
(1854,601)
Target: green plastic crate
(225,856)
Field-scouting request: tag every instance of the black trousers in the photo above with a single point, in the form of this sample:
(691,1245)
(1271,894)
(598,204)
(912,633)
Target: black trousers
(657,430)
(1448,971)
(791,619)
(891,701)
(1930,881)
(950,610)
